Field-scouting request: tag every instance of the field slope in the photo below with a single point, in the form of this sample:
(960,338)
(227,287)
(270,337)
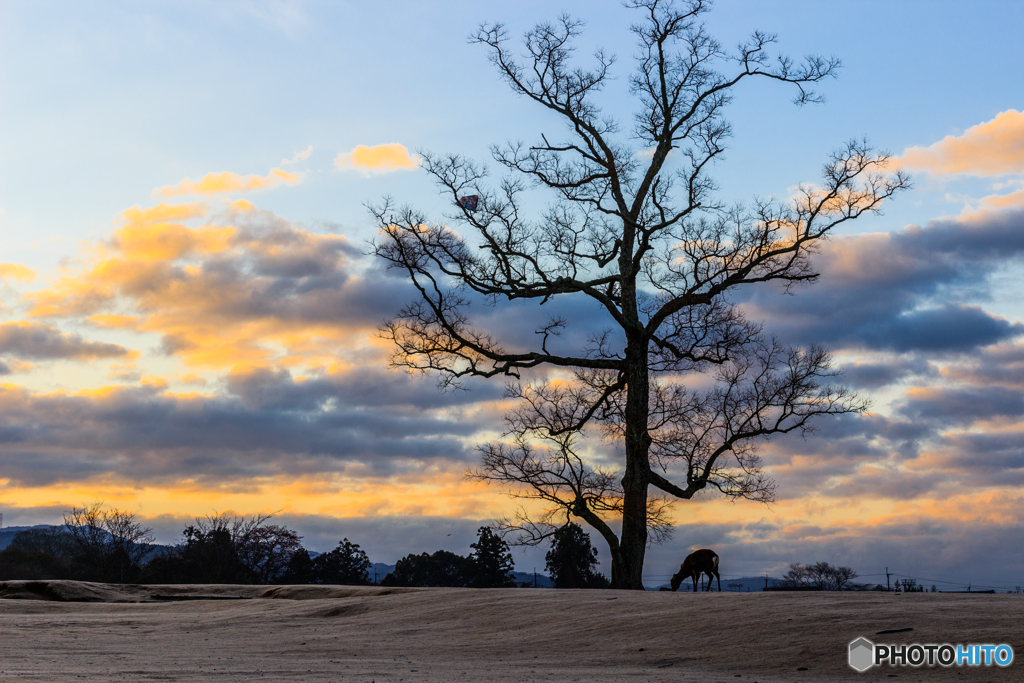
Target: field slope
(63,631)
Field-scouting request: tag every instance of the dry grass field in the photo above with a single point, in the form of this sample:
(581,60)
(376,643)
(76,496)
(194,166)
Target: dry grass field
(69,631)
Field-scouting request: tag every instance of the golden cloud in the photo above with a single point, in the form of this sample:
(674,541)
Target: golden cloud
(220,183)
(378,159)
(992,148)
(219,296)
(446,494)
(162,213)
(16,272)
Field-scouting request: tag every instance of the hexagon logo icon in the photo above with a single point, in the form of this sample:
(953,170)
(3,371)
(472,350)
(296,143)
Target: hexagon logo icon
(862,654)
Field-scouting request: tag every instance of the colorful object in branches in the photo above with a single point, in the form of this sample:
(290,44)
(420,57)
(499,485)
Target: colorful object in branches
(469,203)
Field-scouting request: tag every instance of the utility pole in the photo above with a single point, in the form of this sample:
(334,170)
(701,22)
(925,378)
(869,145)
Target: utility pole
(534,577)
(887,586)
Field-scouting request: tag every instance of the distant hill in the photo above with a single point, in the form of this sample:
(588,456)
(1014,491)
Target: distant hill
(8,533)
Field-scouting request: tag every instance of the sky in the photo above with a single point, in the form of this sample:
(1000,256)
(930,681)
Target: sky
(188,305)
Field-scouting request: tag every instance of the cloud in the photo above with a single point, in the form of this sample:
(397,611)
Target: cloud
(222,183)
(267,424)
(125,372)
(377,159)
(992,148)
(39,341)
(1001,365)
(259,292)
(151,240)
(954,406)
(13,366)
(875,374)
(901,291)
(163,213)
(299,156)
(1004,201)
(16,272)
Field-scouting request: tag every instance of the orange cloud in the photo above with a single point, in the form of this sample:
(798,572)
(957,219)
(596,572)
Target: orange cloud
(1004,201)
(216,183)
(438,494)
(163,241)
(162,213)
(992,148)
(219,296)
(378,159)
(16,272)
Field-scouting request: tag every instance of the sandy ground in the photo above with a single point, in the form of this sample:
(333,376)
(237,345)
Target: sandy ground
(68,631)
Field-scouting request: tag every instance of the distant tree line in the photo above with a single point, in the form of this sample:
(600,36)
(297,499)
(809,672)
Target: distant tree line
(828,577)
(113,546)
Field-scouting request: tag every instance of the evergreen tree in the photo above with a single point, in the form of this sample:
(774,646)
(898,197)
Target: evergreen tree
(346,565)
(301,569)
(572,559)
(491,560)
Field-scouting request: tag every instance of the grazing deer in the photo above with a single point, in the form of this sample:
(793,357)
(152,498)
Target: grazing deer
(698,562)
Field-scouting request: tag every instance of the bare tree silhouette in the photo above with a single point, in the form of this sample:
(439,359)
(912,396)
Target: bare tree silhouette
(647,242)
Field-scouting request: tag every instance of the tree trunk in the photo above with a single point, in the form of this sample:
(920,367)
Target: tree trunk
(633,542)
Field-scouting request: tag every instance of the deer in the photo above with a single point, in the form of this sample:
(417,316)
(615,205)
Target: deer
(703,561)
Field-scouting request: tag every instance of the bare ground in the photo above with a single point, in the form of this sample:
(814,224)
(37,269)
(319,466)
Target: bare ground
(69,631)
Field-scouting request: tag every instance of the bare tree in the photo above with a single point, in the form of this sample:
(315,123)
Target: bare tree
(265,549)
(645,239)
(111,544)
(828,577)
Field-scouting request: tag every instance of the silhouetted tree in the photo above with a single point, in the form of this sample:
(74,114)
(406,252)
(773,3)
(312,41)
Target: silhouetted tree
(823,574)
(17,564)
(264,549)
(204,556)
(110,544)
(443,568)
(491,561)
(644,238)
(571,560)
(51,540)
(223,549)
(300,570)
(346,565)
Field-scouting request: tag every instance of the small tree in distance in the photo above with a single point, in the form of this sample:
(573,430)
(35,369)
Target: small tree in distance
(346,565)
(50,540)
(442,568)
(491,560)
(110,543)
(828,577)
(572,560)
(300,570)
(647,259)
